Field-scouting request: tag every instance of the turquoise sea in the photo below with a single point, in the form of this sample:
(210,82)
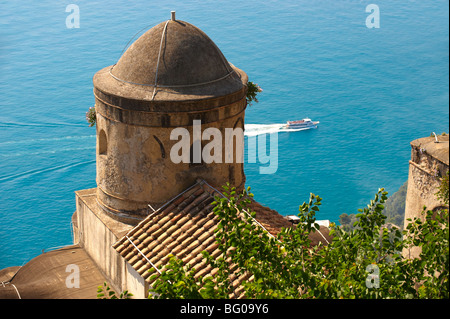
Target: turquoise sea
(374,90)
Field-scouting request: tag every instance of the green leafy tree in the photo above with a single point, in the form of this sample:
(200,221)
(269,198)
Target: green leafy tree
(176,280)
(347,220)
(105,292)
(364,262)
(394,209)
(395,206)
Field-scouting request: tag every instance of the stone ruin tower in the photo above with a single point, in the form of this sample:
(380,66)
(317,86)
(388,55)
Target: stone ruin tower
(429,163)
(146,206)
(170,76)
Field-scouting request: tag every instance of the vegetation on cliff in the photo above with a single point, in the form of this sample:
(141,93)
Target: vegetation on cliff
(394,210)
(443,191)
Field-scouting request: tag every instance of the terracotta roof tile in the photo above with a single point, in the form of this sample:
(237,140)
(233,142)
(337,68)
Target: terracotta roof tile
(184,227)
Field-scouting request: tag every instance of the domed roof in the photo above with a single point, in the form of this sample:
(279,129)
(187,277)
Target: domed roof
(175,57)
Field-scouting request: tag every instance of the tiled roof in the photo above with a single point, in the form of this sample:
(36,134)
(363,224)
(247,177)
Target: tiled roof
(45,276)
(184,227)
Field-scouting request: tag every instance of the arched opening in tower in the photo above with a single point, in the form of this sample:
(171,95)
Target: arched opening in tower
(102,143)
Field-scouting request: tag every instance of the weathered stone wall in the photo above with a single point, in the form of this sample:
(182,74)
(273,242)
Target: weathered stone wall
(136,169)
(96,232)
(154,88)
(429,163)
(134,121)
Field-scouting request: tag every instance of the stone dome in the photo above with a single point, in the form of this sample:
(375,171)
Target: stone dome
(136,118)
(179,58)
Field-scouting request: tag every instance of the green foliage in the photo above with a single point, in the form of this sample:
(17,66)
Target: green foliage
(252,90)
(105,292)
(394,210)
(443,191)
(433,262)
(347,221)
(395,206)
(176,280)
(365,262)
(91,117)
(368,245)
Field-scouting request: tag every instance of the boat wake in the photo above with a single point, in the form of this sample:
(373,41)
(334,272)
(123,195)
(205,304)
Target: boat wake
(259,129)
(43,170)
(16,124)
(50,139)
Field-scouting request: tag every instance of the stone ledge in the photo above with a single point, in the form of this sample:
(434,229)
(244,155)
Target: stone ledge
(89,198)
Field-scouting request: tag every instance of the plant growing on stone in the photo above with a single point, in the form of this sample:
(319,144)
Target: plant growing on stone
(105,292)
(443,191)
(252,90)
(90,116)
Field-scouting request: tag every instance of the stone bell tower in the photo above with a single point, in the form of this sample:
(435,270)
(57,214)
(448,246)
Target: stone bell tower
(170,76)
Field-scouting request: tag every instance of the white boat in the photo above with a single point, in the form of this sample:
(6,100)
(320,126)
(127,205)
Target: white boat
(305,123)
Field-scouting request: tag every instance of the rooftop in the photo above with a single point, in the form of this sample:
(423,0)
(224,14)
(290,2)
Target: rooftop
(177,58)
(44,277)
(185,227)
